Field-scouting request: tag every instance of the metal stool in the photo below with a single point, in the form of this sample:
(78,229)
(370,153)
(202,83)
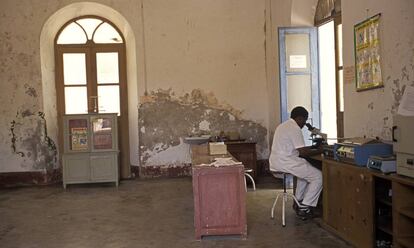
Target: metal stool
(284,195)
(246,173)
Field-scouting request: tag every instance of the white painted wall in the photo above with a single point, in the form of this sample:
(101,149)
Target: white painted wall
(370,112)
(303,12)
(277,15)
(216,46)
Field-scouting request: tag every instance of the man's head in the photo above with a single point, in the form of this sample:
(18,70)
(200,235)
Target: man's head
(300,115)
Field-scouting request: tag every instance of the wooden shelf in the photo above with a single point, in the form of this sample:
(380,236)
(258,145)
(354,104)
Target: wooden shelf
(385,201)
(407,211)
(386,229)
(406,242)
(385,224)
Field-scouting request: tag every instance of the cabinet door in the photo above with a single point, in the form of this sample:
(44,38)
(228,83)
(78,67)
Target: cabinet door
(333,206)
(104,132)
(348,204)
(219,201)
(76,133)
(361,227)
(104,167)
(76,167)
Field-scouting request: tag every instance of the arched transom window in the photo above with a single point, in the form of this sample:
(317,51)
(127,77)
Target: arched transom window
(89,29)
(90,67)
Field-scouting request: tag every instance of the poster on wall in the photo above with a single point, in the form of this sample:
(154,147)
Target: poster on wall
(79,139)
(367,54)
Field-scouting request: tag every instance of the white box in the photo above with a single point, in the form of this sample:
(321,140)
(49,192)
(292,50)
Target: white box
(217,148)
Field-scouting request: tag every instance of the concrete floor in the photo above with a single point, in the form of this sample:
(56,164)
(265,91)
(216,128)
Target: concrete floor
(140,213)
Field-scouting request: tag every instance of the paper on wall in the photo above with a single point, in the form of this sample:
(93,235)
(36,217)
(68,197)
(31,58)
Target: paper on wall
(297,61)
(407,102)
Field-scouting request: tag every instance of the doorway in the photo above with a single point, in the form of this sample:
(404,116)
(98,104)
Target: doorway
(327,79)
(90,65)
(298,61)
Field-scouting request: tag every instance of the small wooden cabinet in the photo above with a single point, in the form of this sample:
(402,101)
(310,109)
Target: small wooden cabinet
(244,152)
(90,149)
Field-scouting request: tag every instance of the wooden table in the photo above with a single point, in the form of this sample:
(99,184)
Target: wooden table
(219,196)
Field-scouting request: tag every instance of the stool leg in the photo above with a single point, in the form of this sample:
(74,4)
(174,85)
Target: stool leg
(245,184)
(283,209)
(296,200)
(251,179)
(273,207)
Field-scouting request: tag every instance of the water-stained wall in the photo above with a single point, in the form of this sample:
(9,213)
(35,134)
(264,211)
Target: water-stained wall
(166,118)
(370,112)
(25,144)
(192,50)
(28,125)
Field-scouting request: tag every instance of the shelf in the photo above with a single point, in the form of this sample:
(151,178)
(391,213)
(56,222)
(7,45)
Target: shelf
(385,226)
(407,211)
(385,229)
(385,201)
(406,242)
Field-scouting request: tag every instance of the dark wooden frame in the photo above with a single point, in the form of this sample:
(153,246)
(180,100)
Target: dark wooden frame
(90,49)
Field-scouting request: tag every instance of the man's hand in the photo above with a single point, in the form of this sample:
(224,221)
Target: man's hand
(308,151)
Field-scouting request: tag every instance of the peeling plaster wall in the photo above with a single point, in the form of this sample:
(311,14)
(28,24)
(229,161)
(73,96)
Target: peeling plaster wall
(370,112)
(212,48)
(27,96)
(23,140)
(217,46)
(224,50)
(165,119)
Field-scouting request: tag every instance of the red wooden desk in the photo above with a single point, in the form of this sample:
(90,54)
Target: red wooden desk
(219,196)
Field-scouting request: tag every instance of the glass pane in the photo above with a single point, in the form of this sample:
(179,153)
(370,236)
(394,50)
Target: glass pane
(299,92)
(297,53)
(102,133)
(78,133)
(108,99)
(107,34)
(339,31)
(76,100)
(72,34)
(74,68)
(107,68)
(89,24)
(341,90)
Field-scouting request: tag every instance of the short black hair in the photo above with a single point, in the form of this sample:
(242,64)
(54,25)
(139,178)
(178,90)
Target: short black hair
(299,111)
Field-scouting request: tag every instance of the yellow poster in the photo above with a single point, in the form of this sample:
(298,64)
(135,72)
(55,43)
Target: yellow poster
(367,54)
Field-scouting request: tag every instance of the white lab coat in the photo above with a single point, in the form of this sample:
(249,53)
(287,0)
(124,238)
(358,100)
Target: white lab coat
(284,157)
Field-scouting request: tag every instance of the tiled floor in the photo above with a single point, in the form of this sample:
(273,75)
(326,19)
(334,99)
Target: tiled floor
(140,213)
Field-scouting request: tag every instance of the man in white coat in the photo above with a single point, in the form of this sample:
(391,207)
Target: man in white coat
(287,155)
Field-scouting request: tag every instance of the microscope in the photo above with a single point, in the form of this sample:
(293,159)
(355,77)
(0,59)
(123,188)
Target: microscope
(318,138)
